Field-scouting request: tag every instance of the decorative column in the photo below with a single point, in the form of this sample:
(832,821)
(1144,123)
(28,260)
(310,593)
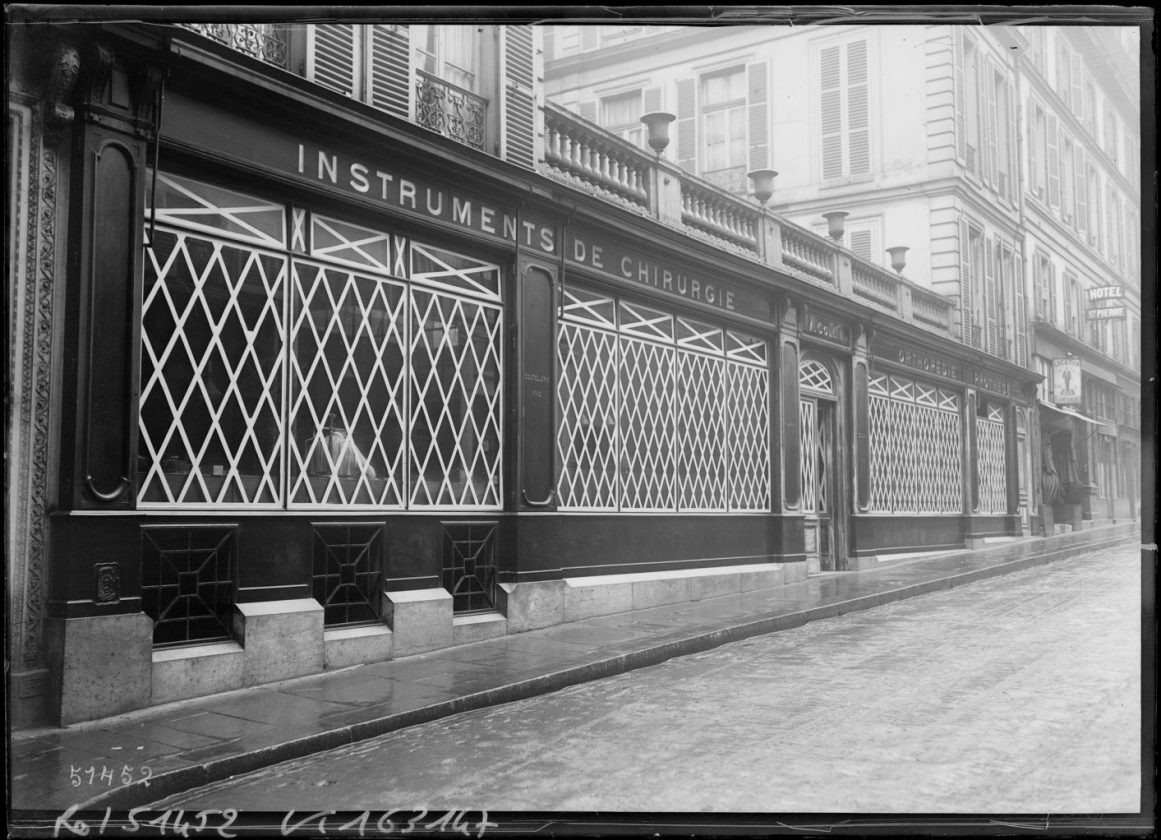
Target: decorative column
(786,437)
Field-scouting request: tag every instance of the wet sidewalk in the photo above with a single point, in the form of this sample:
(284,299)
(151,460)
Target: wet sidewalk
(141,757)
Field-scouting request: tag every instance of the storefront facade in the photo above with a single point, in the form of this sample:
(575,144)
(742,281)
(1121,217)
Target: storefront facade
(327,401)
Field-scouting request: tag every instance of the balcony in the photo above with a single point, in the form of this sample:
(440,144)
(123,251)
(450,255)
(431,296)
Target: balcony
(586,157)
(264,41)
(449,110)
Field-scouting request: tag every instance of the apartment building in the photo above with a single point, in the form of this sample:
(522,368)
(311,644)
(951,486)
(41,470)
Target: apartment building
(1001,161)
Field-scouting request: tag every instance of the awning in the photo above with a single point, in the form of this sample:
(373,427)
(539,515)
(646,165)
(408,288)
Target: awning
(1068,412)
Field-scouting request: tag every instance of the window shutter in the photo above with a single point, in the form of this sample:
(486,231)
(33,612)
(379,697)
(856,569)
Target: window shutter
(334,57)
(687,124)
(1053,164)
(831,111)
(1033,151)
(390,69)
(1061,66)
(989,109)
(1077,85)
(588,111)
(965,282)
(518,107)
(1081,191)
(549,42)
(1051,293)
(960,96)
(990,322)
(759,114)
(1068,304)
(858,109)
(861,244)
(651,100)
(1020,315)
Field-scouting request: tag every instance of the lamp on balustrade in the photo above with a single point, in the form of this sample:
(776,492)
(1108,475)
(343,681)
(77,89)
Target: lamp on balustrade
(658,124)
(898,258)
(834,221)
(763,181)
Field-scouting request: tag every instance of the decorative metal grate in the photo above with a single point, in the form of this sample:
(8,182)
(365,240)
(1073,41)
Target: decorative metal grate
(449,110)
(261,40)
(691,419)
(347,383)
(346,571)
(213,343)
(187,583)
(815,376)
(915,447)
(455,401)
(990,465)
(808,424)
(469,565)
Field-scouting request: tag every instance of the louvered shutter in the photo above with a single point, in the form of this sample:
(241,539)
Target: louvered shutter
(758,88)
(861,244)
(1052,293)
(960,96)
(518,105)
(831,109)
(990,323)
(1068,325)
(651,100)
(1061,66)
(335,57)
(1033,150)
(1081,185)
(549,37)
(1040,302)
(965,282)
(858,110)
(1053,163)
(1020,314)
(1077,85)
(389,81)
(989,152)
(687,124)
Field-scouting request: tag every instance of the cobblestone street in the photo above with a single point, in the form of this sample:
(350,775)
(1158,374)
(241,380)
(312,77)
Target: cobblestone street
(1015,694)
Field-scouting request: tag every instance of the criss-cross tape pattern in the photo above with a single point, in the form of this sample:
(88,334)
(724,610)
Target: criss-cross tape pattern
(814,376)
(347,404)
(808,424)
(646,382)
(590,308)
(454,272)
(212,341)
(343,242)
(695,335)
(990,466)
(748,436)
(587,435)
(916,442)
(701,462)
(644,321)
(455,376)
(215,209)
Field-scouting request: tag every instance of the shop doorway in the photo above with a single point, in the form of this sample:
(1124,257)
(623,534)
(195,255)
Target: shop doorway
(823,505)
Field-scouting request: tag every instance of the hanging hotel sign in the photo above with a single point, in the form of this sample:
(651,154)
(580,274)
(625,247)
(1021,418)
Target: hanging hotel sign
(1102,293)
(1103,304)
(1108,313)
(613,259)
(1066,381)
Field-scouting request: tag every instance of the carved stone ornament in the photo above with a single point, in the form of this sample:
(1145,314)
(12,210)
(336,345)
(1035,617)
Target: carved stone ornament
(106,583)
(62,77)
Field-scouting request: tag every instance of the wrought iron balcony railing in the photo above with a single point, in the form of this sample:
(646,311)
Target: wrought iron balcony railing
(450,110)
(265,41)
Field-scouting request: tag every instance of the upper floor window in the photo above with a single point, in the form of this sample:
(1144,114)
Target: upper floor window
(621,114)
(723,104)
(971,104)
(1044,287)
(449,52)
(1112,135)
(1072,304)
(1038,150)
(844,110)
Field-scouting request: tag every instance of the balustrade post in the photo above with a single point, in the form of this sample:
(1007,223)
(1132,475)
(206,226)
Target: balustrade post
(770,235)
(665,193)
(906,303)
(841,267)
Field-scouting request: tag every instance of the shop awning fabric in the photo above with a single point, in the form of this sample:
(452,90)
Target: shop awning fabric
(1068,412)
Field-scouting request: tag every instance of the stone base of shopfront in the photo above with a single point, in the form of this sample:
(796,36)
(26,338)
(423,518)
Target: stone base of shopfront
(102,665)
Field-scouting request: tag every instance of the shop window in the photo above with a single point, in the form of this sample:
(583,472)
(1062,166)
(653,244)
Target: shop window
(469,565)
(347,571)
(391,396)
(658,412)
(915,444)
(187,583)
(991,465)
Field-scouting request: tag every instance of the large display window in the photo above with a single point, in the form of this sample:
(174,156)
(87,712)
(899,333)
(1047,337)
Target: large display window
(340,366)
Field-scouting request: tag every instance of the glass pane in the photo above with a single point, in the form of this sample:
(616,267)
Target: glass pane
(344,242)
(196,204)
(347,411)
(452,271)
(212,347)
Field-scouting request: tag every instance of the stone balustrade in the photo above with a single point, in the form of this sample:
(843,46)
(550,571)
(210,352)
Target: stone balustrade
(807,252)
(872,283)
(931,308)
(584,152)
(713,211)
